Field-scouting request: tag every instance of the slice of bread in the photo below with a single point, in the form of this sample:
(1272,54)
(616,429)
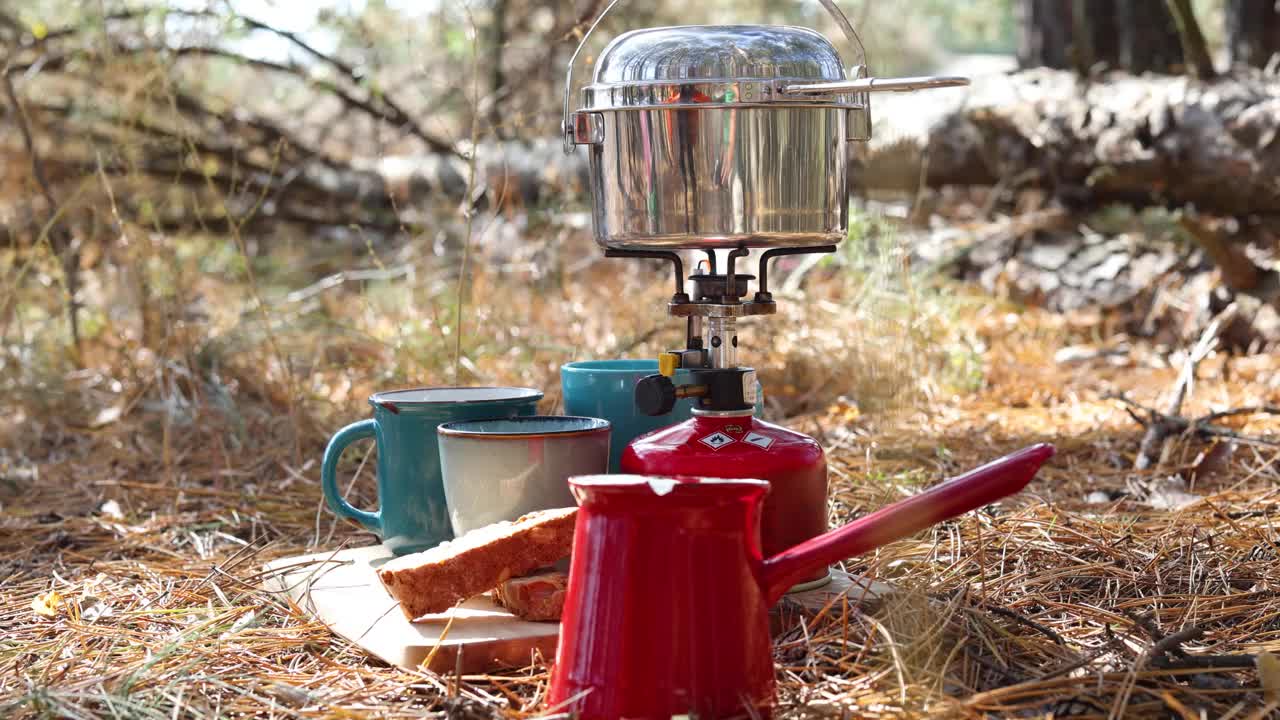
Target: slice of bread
(537,597)
(435,580)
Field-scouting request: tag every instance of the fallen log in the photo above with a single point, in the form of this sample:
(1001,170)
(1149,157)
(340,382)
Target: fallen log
(1149,140)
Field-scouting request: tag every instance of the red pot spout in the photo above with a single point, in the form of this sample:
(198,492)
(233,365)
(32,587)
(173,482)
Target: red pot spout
(974,489)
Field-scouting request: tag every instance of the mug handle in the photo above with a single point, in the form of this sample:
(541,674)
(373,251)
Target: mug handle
(328,474)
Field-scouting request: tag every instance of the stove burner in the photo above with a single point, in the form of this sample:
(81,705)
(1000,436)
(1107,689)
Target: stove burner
(711,339)
(720,294)
(715,288)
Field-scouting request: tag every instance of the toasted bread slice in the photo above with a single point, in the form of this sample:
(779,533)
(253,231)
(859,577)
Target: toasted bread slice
(435,580)
(537,597)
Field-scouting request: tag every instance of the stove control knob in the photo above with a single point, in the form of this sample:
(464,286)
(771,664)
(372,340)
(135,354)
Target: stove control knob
(655,395)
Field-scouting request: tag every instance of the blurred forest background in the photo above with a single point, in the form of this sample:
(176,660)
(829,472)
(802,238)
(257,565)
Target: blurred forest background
(277,200)
(225,223)
(306,201)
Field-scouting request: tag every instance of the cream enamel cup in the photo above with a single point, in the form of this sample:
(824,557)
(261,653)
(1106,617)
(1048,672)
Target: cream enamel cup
(496,470)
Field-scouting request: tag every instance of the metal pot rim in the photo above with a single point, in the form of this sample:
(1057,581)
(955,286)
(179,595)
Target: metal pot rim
(708,93)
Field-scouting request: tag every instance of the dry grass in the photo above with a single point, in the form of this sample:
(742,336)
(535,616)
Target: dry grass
(1052,603)
(151,527)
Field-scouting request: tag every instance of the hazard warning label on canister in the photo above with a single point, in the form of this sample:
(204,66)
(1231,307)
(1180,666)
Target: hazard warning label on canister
(716,440)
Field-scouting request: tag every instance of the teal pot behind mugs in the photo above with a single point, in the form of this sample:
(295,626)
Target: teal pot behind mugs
(412,510)
(606,389)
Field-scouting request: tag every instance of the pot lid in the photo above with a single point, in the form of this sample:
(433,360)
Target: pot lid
(712,65)
(719,52)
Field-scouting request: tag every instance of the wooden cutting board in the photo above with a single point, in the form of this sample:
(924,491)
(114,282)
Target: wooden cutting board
(341,589)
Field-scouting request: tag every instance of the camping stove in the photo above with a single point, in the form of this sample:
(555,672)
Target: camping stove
(724,439)
(724,139)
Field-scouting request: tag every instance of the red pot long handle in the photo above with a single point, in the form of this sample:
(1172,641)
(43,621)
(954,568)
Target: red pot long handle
(974,489)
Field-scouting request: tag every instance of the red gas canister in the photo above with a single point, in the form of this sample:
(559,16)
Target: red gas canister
(738,445)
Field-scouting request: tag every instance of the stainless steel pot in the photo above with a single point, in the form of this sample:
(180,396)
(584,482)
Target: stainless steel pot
(723,136)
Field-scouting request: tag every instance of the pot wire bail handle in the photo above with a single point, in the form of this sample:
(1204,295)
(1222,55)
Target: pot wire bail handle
(566,123)
(566,126)
(843,21)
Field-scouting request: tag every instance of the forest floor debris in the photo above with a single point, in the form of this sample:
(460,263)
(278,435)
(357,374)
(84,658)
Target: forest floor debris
(134,591)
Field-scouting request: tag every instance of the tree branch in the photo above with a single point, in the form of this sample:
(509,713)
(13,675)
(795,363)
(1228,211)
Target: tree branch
(127,15)
(381,106)
(390,113)
(1238,272)
(585,18)
(10,22)
(64,245)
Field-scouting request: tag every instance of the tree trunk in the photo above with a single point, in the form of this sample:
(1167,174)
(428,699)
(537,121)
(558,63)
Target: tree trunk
(497,78)
(1253,31)
(1194,48)
(1135,35)
(1104,30)
(1045,34)
(1149,39)
(1144,141)
(1095,35)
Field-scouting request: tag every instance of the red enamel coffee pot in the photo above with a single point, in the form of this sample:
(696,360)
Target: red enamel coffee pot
(667,606)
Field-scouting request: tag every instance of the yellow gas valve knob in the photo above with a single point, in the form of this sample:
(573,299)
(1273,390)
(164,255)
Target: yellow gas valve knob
(668,363)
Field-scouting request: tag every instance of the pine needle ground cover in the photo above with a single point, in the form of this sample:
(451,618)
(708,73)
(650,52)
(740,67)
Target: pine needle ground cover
(143,493)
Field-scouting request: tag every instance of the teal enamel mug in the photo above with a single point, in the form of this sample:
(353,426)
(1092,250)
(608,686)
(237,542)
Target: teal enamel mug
(412,512)
(606,389)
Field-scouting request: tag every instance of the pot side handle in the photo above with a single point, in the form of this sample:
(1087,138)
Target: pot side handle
(875,84)
(976,488)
